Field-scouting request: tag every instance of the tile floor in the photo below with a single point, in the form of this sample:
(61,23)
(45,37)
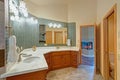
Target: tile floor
(83,72)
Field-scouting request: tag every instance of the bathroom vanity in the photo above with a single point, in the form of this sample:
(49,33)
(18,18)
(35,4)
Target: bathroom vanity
(61,59)
(43,60)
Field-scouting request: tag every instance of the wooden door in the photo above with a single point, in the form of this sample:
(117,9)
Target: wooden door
(110,45)
(48,37)
(58,37)
(65,37)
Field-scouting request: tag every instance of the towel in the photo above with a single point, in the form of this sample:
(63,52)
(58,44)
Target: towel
(68,42)
(12,55)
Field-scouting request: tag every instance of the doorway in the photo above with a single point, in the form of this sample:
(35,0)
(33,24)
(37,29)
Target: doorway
(88,45)
(110,45)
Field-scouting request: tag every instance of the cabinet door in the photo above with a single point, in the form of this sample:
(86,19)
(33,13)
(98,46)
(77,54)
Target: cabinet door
(48,37)
(74,59)
(66,60)
(56,60)
(39,75)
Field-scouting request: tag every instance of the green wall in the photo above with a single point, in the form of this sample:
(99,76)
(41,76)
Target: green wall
(72,33)
(26,32)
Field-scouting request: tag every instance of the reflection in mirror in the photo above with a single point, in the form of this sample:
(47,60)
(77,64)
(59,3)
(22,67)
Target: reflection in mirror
(40,24)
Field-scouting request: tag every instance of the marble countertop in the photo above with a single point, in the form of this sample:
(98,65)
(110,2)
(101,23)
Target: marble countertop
(37,64)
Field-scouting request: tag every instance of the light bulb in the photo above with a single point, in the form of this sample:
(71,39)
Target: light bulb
(55,25)
(12,18)
(59,26)
(36,21)
(50,25)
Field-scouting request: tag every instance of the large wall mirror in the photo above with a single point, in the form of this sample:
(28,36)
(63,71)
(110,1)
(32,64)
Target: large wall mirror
(40,23)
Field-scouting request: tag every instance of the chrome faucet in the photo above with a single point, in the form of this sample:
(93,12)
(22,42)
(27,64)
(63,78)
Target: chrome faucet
(19,57)
(19,53)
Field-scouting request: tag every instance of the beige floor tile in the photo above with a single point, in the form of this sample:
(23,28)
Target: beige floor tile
(83,72)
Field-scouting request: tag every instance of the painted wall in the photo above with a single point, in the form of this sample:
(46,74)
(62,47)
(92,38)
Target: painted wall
(26,32)
(2,38)
(72,33)
(103,6)
(49,11)
(82,12)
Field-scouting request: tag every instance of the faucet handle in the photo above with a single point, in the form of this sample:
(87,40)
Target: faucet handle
(21,48)
(18,49)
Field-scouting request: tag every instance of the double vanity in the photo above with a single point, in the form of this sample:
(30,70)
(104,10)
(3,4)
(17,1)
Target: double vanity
(34,65)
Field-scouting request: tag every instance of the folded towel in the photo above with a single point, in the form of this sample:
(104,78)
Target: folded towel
(12,55)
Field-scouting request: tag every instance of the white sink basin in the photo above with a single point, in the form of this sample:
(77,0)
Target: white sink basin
(31,59)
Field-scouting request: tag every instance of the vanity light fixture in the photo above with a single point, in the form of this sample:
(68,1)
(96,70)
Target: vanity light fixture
(33,20)
(36,21)
(59,26)
(13,7)
(54,25)
(17,9)
(50,25)
(23,9)
(12,18)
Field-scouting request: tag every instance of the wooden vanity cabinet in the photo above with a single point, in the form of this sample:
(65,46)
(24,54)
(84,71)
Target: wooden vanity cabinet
(38,75)
(74,59)
(60,59)
(47,57)
(55,60)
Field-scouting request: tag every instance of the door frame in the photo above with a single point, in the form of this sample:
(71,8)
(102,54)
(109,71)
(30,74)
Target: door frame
(105,33)
(93,25)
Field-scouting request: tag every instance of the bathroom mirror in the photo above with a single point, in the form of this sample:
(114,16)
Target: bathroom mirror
(37,22)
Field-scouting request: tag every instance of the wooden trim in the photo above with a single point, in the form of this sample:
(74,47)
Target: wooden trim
(114,8)
(95,48)
(98,48)
(94,43)
(2,57)
(105,26)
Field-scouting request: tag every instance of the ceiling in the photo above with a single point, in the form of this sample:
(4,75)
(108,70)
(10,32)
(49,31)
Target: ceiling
(47,2)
